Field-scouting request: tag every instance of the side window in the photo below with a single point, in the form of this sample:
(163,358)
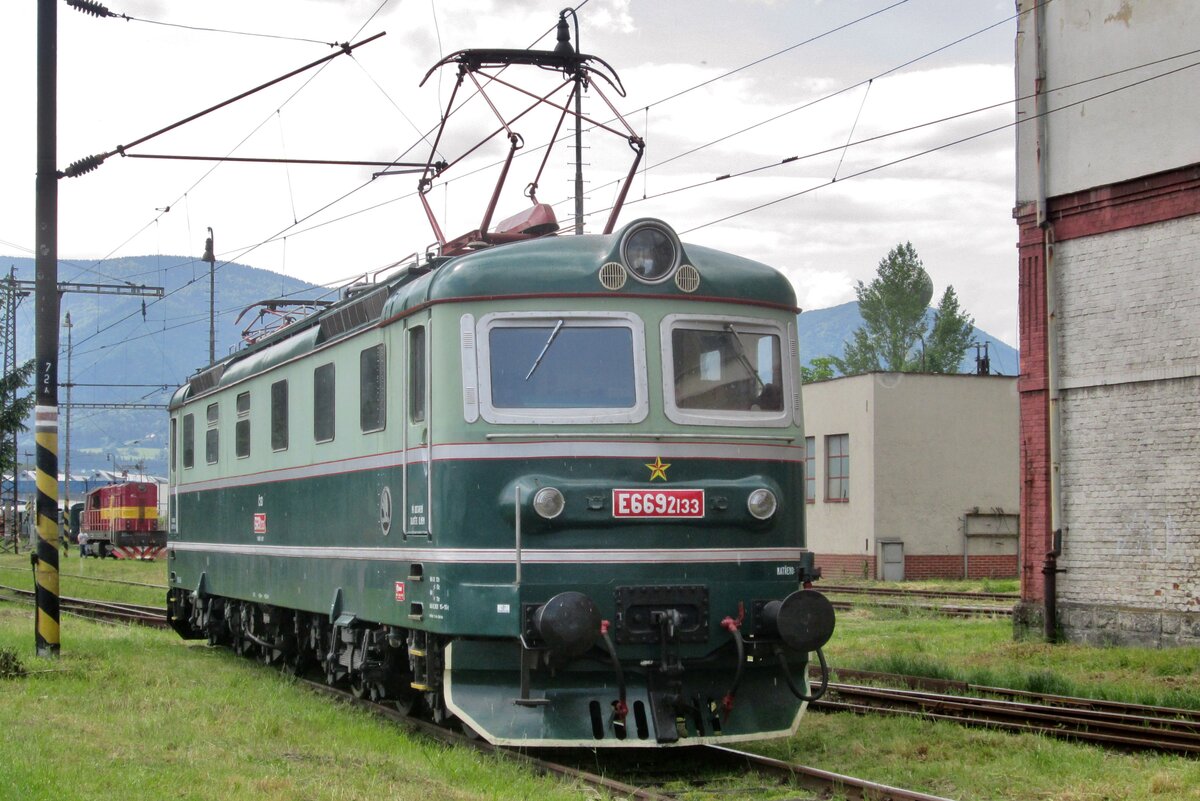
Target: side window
(323,408)
(416,374)
(189,441)
(279,416)
(212,437)
(241,430)
(837,468)
(372,389)
(810,469)
(173,452)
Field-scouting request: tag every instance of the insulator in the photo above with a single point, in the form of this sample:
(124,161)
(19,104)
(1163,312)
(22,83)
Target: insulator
(83,166)
(88,7)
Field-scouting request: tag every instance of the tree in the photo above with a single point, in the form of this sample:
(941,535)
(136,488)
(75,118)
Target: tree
(14,414)
(950,336)
(893,308)
(822,369)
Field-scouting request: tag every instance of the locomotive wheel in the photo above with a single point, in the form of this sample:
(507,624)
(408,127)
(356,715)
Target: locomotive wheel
(408,703)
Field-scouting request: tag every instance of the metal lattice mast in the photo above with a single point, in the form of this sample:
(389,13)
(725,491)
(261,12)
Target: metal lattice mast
(10,298)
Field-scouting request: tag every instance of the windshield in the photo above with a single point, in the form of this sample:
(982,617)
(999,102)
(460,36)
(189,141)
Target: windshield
(727,369)
(556,365)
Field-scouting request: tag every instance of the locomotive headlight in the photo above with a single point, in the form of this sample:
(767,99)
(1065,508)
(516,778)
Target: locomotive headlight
(761,503)
(548,502)
(651,251)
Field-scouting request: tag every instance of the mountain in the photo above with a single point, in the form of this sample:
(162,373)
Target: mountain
(123,351)
(142,349)
(824,332)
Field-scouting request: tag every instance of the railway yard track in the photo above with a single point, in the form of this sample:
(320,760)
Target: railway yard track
(111,611)
(97,579)
(1115,724)
(853,589)
(1131,727)
(990,603)
(643,776)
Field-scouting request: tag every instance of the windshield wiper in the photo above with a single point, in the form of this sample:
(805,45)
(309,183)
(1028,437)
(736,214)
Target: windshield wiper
(740,352)
(545,348)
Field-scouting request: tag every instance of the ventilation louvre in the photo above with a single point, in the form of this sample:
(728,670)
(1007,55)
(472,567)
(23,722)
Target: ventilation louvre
(613,276)
(204,381)
(352,315)
(687,278)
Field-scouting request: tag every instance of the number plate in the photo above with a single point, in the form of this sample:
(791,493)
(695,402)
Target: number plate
(658,503)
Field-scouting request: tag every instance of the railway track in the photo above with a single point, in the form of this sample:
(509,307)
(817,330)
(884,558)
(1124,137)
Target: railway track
(683,763)
(111,611)
(1111,723)
(941,609)
(98,579)
(854,589)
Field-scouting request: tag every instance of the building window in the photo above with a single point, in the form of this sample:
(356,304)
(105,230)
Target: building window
(241,429)
(810,469)
(837,468)
(189,441)
(416,374)
(372,389)
(212,437)
(323,407)
(279,416)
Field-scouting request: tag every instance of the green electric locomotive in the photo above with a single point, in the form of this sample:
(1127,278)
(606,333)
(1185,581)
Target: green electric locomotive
(547,488)
(552,489)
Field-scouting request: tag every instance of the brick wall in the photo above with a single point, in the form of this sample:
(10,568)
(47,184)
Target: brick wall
(1128,324)
(921,567)
(845,565)
(1035,425)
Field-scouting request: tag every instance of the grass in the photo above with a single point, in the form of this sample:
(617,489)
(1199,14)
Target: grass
(949,760)
(137,714)
(83,578)
(140,713)
(983,651)
(941,585)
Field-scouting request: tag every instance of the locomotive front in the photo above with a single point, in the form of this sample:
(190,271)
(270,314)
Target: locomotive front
(619,478)
(551,489)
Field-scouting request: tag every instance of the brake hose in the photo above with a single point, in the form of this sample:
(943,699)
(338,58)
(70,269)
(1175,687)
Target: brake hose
(791,683)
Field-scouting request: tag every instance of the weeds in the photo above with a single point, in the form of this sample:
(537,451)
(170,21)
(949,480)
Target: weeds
(10,664)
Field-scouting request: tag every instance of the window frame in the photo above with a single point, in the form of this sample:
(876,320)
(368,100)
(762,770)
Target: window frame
(565,416)
(379,360)
(212,433)
(418,373)
(810,469)
(331,418)
(783,418)
(842,473)
(188,443)
(280,421)
(241,428)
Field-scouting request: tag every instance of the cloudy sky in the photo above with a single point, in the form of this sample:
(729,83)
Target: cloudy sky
(716,87)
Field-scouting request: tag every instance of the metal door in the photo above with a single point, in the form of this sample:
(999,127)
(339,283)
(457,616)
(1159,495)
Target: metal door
(416,517)
(891,557)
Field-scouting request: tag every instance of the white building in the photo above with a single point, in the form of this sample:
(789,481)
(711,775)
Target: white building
(912,475)
(1108,210)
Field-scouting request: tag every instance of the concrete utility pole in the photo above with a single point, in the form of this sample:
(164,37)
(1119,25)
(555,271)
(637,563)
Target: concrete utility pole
(46,339)
(67,448)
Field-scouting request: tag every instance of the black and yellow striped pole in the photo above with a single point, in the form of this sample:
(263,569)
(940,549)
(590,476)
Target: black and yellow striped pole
(46,339)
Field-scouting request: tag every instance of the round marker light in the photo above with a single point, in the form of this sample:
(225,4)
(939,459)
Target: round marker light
(651,252)
(761,503)
(548,502)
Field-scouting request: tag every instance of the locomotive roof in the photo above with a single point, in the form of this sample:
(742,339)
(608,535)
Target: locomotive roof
(550,266)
